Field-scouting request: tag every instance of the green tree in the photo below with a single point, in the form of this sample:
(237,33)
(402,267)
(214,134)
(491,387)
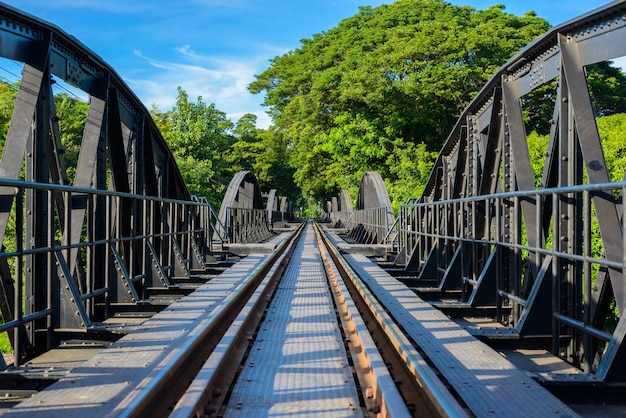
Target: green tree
(199,136)
(246,144)
(71,116)
(272,166)
(8,95)
(612,130)
(386,82)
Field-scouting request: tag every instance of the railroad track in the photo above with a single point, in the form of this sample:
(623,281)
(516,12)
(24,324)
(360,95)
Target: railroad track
(228,385)
(299,333)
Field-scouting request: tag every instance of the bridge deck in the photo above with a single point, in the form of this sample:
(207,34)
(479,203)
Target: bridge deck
(486,381)
(99,386)
(298,364)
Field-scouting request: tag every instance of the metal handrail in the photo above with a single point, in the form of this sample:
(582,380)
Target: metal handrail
(247,225)
(425,225)
(104,267)
(213,218)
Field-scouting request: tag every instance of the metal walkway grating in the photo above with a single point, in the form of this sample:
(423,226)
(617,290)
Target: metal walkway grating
(298,365)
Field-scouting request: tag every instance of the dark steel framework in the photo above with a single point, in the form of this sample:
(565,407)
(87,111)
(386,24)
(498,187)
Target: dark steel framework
(279,209)
(483,229)
(242,211)
(546,256)
(73,255)
(339,209)
(373,217)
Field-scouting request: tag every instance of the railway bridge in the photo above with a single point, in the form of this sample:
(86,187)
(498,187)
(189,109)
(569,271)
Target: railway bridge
(491,294)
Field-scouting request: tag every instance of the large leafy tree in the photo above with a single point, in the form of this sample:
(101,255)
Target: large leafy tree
(199,136)
(272,164)
(210,149)
(384,88)
(246,144)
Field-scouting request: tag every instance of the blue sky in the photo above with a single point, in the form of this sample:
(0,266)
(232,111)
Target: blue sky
(213,48)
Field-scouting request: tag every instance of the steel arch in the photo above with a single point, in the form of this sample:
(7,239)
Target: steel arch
(242,210)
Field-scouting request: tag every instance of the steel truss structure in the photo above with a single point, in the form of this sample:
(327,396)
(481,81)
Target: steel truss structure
(73,255)
(485,231)
(339,209)
(279,209)
(242,213)
(372,218)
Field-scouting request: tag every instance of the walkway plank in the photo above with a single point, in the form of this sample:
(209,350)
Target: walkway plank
(486,381)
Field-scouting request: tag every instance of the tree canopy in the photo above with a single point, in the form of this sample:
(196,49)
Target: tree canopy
(379,92)
(382,90)
(210,149)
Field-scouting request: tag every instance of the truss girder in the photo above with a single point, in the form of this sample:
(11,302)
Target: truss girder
(71,252)
(242,211)
(484,204)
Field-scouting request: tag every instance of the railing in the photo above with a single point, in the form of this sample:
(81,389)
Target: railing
(340,219)
(370,226)
(277,219)
(127,243)
(247,225)
(392,237)
(210,218)
(475,245)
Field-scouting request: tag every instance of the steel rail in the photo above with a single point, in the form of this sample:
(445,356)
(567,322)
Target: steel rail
(163,387)
(204,395)
(209,388)
(441,401)
(381,394)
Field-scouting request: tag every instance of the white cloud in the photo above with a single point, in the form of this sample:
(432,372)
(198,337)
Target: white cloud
(220,80)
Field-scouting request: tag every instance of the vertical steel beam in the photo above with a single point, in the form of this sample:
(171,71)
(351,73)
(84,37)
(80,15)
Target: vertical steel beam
(595,164)
(513,133)
(569,212)
(40,287)
(521,157)
(86,165)
(20,130)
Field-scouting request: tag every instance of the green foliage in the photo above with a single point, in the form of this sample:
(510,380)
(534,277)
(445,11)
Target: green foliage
(272,166)
(246,145)
(198,129)
(537,146)
(384,88)
(210,149)
(5,343)
(199,136)
(608,88)
(8,95)
(71,115)
(412,165)
(612,130)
